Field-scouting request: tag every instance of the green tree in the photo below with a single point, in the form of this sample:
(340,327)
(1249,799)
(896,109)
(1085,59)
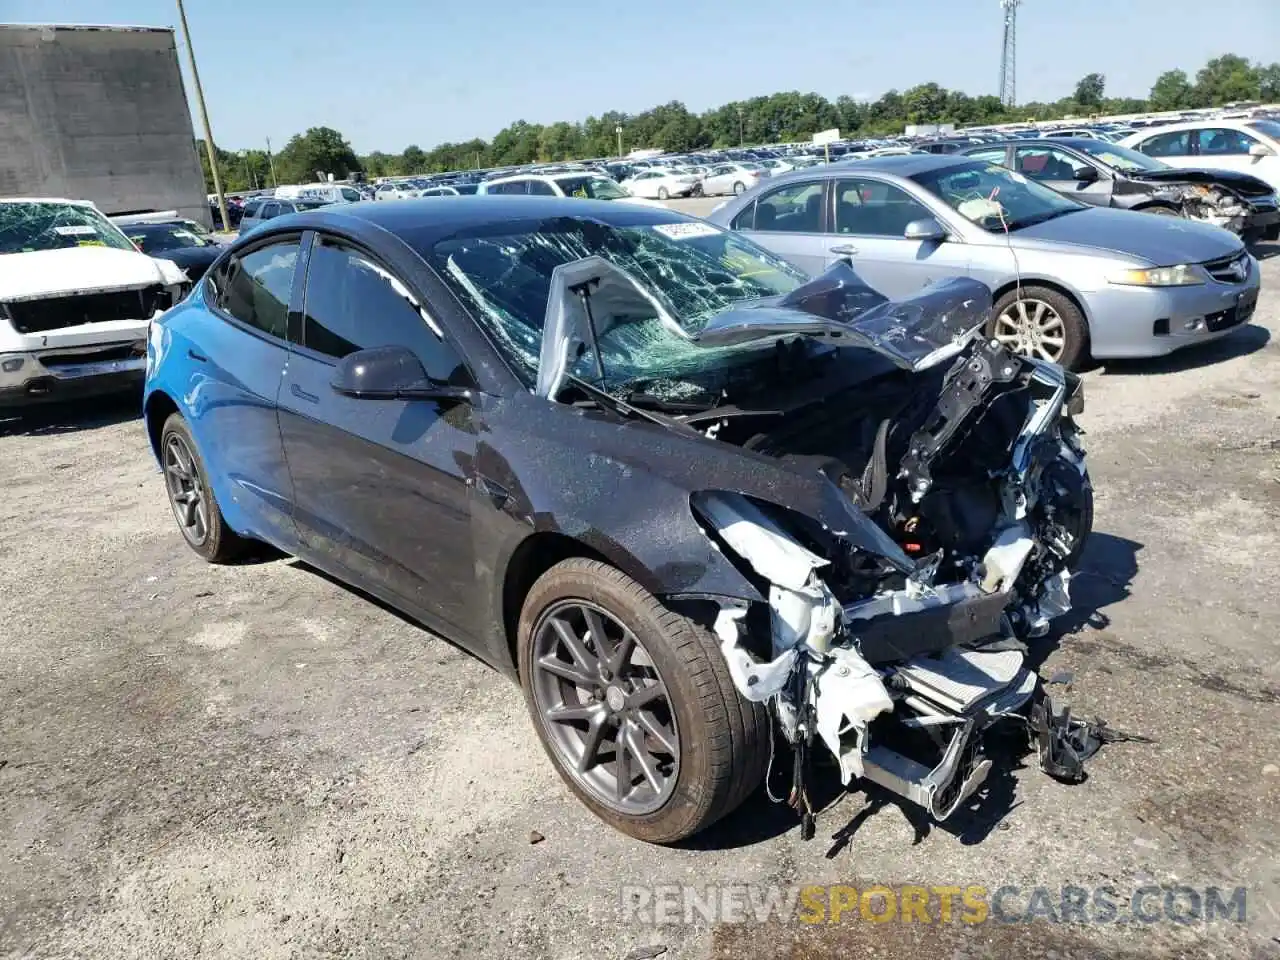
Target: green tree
(314,155)
(1090,89)
(925,103)
(1268,82)
(413,160)
(1171,91)
(1226,79)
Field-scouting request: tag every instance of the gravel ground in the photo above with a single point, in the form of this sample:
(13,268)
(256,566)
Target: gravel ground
(253,761)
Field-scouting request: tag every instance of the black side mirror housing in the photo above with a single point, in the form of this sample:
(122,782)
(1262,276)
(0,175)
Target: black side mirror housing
(1085,174)
(391,373)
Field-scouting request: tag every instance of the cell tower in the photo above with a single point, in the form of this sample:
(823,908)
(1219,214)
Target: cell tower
(1009,53)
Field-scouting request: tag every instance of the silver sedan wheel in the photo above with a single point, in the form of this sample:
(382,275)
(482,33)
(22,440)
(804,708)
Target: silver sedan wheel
(1032,328)
(605,708)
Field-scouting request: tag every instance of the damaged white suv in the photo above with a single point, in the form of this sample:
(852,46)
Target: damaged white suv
(76,297)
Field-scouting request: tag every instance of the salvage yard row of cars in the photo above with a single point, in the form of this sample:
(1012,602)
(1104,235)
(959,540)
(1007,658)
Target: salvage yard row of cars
(833,476)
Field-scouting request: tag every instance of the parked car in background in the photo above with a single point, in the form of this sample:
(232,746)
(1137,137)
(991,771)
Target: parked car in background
(261,209)
(450,190)
(1068,279)
(661,184)
(1106,174)
(76,296)
(732,178)
(183,242)
(327,192)
(395,191)
(1246,146)
(582,186)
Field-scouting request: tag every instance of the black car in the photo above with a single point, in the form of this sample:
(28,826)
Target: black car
(678,489)
(184,242)
(1106,174)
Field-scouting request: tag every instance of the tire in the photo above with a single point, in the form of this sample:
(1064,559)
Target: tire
(1074,350)
(722,740)
(739,188)
(216,542)
(663,194)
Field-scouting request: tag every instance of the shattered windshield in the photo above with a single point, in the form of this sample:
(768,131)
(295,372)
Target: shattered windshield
(995,198)
(1122,158)
(694,269)
(26,227)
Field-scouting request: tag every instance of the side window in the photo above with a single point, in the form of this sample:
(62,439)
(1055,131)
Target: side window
(541,188)
(996,156)
(349,194)
(270,210)
(795,208)
(254,287)
(1174,144)
(251,208)
(746,220)
(353,303)
(1044,163)
(1219,142)
(870,208)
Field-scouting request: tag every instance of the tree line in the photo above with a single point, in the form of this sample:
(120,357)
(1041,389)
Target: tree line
(779,117)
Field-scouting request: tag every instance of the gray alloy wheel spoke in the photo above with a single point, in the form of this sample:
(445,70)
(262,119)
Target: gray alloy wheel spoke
(566,671)
(634,739)
(650,726)
(607,720)
(577,649)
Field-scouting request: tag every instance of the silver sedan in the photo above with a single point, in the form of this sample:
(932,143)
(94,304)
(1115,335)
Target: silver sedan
(1069,280)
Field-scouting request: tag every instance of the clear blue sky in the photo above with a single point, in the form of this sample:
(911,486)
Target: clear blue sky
(408,71)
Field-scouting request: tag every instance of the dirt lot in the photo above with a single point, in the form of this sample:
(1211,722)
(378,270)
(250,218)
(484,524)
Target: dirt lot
(253,762)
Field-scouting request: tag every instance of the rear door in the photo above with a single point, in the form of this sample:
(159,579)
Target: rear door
(1172,146)
(1055,168)
(870,217)
(238,366)
(379,486)
(791,221)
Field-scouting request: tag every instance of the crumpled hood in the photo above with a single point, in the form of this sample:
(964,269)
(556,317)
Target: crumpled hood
(1244,184)
(1161,241)
(76,270)
(915,333)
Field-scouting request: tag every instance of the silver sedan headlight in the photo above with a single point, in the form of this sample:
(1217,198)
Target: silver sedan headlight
(1182,275)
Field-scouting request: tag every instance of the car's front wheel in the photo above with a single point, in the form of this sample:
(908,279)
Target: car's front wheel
(634,704)
(1042,323)
(191,497)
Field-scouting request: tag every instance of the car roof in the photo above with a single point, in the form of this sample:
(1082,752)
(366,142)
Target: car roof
(902,166)
(424,222)
(1079,143)
(1193,125)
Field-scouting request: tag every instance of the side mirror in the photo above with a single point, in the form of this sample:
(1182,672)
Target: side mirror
(1085,174)
(390,373)
(1260,150)
(926,229)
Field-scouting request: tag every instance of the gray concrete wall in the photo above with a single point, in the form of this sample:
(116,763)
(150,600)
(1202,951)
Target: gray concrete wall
(97,114)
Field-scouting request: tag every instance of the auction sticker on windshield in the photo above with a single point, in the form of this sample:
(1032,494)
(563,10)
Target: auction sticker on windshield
(75,231)
(685,231)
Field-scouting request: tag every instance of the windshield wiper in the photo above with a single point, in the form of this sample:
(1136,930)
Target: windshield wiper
(620,406)
(1040,218)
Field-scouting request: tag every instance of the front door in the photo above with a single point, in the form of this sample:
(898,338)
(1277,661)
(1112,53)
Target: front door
(870,219)
(1056,170)
(379,485)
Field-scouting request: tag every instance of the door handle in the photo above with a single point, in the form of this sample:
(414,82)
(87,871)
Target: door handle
(301,394)
(844,250)
(198,357)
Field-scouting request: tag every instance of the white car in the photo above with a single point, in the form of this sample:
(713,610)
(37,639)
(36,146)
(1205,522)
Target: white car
(732,178)
(777,167)
(1248,146)
(661,184)
(76,298)
(395,191)
(586,186)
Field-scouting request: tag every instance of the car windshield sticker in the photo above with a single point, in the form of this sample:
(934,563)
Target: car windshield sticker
(685,231)
(77,230)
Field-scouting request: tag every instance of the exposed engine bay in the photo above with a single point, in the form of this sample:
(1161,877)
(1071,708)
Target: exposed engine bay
(896,642)
(1212,204)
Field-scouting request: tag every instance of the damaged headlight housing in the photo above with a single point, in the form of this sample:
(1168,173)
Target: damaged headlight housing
(1182,275)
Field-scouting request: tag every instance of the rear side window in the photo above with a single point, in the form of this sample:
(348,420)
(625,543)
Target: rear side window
(270,210)
(1174,144)
(795,208)
(254,287)
(251,208)
(541,188)
(353,303)
(1223,142)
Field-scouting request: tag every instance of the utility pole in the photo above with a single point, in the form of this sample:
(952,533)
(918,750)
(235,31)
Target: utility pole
(618,130)
(1009,53)
(271,162)
(204,118)
(741,139)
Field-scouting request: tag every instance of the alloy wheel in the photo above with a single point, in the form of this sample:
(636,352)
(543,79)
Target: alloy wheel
(1032,328)
(186,490)
(604,707)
